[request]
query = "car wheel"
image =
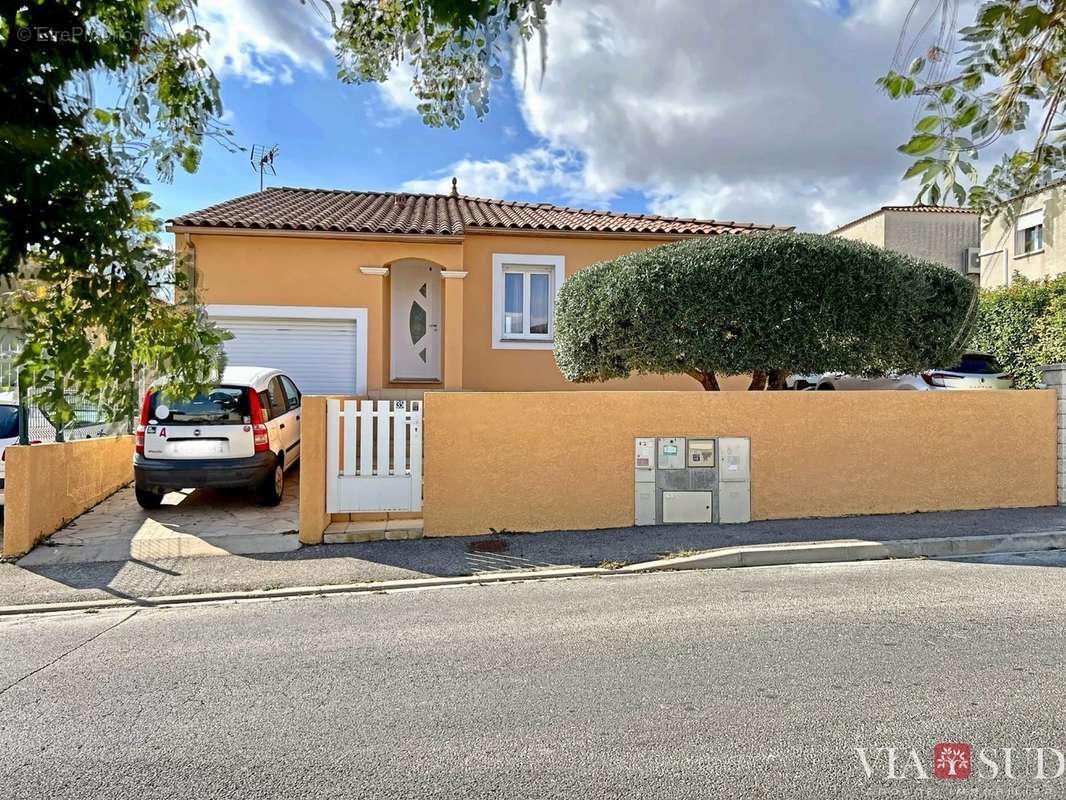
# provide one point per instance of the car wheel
(826, 387)
(148, 500)
(274, 486)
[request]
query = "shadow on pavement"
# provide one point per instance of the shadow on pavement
(139, 578)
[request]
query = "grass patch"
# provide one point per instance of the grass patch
(679, 554)
(608, 564)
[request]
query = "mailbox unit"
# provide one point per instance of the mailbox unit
(679, 480)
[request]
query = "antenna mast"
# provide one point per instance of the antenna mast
(262, 159)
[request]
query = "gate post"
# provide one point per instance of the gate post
(313, 515)
(1055, 378)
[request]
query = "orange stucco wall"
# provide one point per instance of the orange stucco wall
(318, 271)
(311, 271)
(486, 369)
(48, 485)
(564, 460)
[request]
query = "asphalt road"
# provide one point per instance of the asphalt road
(742, 683)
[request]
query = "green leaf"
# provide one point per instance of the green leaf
(920, 144)
(918, 167)
(927, 124)
(967, 116)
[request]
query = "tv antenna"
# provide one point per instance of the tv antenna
(262, 159)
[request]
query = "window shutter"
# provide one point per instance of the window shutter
(1030, 219)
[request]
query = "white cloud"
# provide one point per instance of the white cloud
(765, 112)
(395, 93)
(769, 114)
(265, 41)
(530, 172)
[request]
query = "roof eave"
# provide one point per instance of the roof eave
(216, 230)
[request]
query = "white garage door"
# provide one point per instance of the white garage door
(320, 355)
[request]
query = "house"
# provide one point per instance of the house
(390, 295)
(944, 235)
(1024, 241)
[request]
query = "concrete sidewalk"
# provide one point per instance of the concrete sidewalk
(137, 578)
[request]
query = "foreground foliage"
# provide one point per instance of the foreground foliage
(453, 48)
(92, 94)
(1024, 326)
(980, 84)
(768, 305)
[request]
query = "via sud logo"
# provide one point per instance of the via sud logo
(959, 761)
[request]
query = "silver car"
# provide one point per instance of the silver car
(974, 371)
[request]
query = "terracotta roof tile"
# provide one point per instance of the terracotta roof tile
(433, 214)
(934, 209)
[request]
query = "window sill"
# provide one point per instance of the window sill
(536, 339)
(1039, 252)
(511, 343)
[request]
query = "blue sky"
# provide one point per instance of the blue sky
(734, 110)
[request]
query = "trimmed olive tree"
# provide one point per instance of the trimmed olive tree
(766, 305)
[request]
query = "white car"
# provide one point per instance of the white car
(9, 434)
(974, 371)
(245, 432)
(85, 425)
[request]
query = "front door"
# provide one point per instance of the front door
(415, 339)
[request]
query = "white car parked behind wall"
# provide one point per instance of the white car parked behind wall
(974, 371)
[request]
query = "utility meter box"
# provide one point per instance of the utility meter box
(644, 504)
(687, 506)
(701, 452)
(734, 502)
(644, 460)
(671, 453)
(734, 460)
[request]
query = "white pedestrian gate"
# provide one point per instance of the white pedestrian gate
(373, 460)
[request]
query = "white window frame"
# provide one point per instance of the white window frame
(502, 263)
(1026, 222)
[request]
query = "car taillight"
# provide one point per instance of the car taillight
(143, 423)
(935, 379)
(260, 436)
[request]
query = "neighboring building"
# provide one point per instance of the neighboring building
(945, 235)
(1025, 242)
(394, 294)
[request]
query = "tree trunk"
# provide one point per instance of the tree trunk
(707, 380)
(758, 381)
(777, 379)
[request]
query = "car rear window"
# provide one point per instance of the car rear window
(9, 422)
(223, 405)
(974, 364)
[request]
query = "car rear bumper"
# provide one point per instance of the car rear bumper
(166, 475)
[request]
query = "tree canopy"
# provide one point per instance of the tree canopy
(979, 85)
(766, 304)
(454, 48)
(93, 94)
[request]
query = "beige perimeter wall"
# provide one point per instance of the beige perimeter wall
(564, 460)
(47, 485)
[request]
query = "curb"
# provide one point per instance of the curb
(844, 550)
(759, 555)
(304, 591)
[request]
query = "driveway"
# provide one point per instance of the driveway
(194, 522)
